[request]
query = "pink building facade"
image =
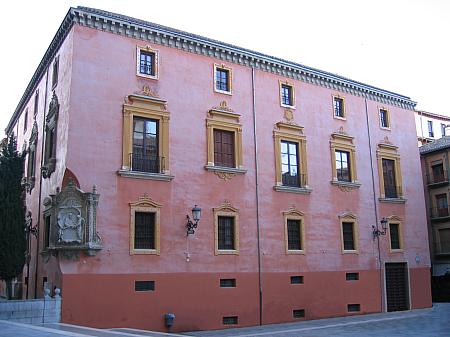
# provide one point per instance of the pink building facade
(291, 166)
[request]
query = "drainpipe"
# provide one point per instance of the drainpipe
(38, 225)
(375, 206)
(257, 200)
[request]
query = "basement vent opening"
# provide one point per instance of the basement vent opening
(144, 285)
(296, 279)
(298, 313)
(228, 283)
(352, 276)
(353, 307)
(230, 320)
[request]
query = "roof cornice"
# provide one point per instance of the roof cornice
(158, 34)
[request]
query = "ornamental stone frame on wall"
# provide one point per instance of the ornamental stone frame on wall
(396, 220)
(386, 150)
(349, 217)
(224, 118)
(51, 129)
(72, 216)
(294, 133)
(294, 214)
(146, 104)
(145, 205)
(341, 141)
(31, 160)
(226, 209)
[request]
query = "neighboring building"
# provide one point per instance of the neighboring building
(435, 163)
(430, 126)
(291, 166)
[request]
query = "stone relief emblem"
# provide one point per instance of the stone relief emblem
(70, 223)
(73, 226)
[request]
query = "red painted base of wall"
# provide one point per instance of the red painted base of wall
(199, 302)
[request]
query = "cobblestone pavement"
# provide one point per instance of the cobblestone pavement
(433, 322)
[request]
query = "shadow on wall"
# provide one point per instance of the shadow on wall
(440, 287)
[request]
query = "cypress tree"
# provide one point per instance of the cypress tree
(12, 213)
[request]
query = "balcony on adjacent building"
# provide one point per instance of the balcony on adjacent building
(440, 213)
(442, 249)
(438, 178)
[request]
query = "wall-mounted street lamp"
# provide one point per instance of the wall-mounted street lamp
(191, 226)
(376, 232)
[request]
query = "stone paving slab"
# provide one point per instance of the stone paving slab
(433, 322)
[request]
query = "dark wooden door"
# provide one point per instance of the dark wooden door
(397, 290)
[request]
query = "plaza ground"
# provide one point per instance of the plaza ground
(433, 322)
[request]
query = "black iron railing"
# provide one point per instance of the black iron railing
(439, 212)
(442, 177)
(150, 164)
(298, 180)
(392, 191)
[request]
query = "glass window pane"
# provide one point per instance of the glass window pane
(138, 125)
(284, 159)
(284, 147)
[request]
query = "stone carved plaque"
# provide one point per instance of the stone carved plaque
(72, 215)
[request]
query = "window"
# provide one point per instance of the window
(442, 205)
(147, 62)
(145, 157)
(144, 285)
(228, 283)
(290, 159)
(47, 224)
(144, 226)
(36, 102)
(144, 230)
(226, 229)
(294, 234)
(351, 276)
(25, 121)
(223, 148)
(430, 129)
(390, 186)
(348, 236)
(294, 231)
(31, 164)
(438, 173)
(145, 152)
(225, 233)
(385, 122)
(230, 320)
(353, 307)
(443, 127)
(338, 107)
(55, 72)
(287, 97)
(296, 279)
(298, 313)
(343, 156)
(222, 79)
(50, 138)
(289, 164)
(394, 234)
(349, 233)
(390, 173)
(224, 140)
(342, 165)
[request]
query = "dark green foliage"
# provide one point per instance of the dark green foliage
(12, 211)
